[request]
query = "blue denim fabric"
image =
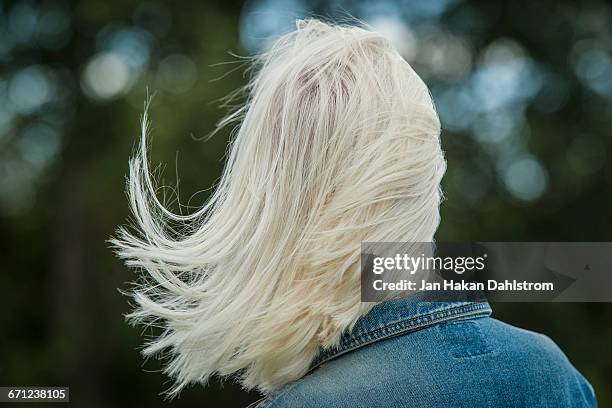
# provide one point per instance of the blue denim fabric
(416, 353)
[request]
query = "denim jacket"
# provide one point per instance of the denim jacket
(415, 353)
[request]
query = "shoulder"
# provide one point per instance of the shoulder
(479, 362)
(521, 346)
(530, 364)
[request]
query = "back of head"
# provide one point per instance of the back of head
(338, 143)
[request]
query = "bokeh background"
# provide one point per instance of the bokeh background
(523, 90)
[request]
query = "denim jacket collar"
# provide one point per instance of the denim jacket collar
(402, 316)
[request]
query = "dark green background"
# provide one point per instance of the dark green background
(523, 89)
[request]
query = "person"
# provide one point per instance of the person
(338, 143)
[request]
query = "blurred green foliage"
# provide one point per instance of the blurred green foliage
(523, 90)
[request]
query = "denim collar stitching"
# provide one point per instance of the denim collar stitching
(410, 324)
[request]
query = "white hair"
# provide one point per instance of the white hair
(338, 143)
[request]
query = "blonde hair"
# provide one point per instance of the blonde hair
(337, 144)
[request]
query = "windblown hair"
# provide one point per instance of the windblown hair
(338, 143)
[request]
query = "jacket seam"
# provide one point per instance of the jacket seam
(404, 326)
(449, 312)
